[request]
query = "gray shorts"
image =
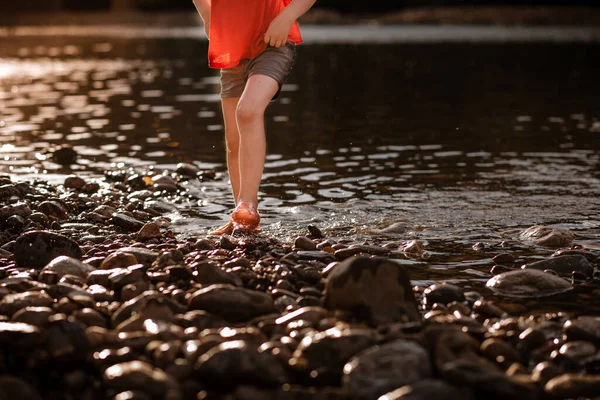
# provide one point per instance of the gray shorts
(274, 62)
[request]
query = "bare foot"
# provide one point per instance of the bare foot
(245, 217)
(226, 229)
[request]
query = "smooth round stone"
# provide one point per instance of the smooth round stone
(126, 222)
(443, 293)
(137, 375)
(324, 354)
(375, 289)
(499, 351)
(65, 265)
(573, 386)
(142, 255)
(232, 303)
(504, 259)
(236, 362)
(304, 243)
(208, 273)
(527, 283)
(36, 249)
(545, 371)
(583, 328)
(383, 368)
(547, 236)
(564, 265)
(33, 315)
(150, 230)
(74, 182)
(21, 209)
(428, 389)
(187, 170)
(139, 304)
(11, 303)
(53, 208)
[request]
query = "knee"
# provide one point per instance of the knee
(247, 113)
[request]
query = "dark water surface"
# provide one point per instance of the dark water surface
(464, 143)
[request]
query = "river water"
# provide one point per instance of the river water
(464, 142)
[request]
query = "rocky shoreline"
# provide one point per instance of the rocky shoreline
(100, 300)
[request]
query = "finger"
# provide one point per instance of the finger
(280, 43)
(273, 41)
(267, 38)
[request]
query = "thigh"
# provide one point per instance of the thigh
(274, 62)
(233, 80)
(259, 91)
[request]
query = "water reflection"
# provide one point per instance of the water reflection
(466, 139)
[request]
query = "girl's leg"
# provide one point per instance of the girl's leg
(232, 142)
(250, 112)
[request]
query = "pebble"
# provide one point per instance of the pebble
(528, 283)
(37, 248)
(374, 289)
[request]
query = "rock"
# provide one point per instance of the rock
(150, 230)
(138, 375)
(11, 303)
(64, 155)
(304, 243)
(36, 249)
(138, 304)
(36, 316)
(527, 283)
(354, 250)
(118, 259)
(65, 265)
(547, 236)
(21, 209)
(504, 259)
(208, 273)
(428, 389)
(53, 208)
(74, 182)
(374, 289)
(443, 293)
(126, 222)
(187, 170)
(583, 328)
(232, 303)
(573, 386)
(236, 362)
(142, 255)
(564, 265)
(383, 368)
(322, 355)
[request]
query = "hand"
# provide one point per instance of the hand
(278, 31)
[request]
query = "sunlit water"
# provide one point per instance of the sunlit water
(464, 143)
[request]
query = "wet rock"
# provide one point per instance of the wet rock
(207, 273)
(236, 362)
(142, 255)
(545, 371)
(499, 351)
(119, 259)
(573, 386)
(231, 303)
(322, 355)
(383, 368)
(139, 375)
(564, 265)
(36, 249)
(74, 182)
(13, 388)
(315, 232)
(21, 209)
(583, 328)
(11, 303)
(375, 289)
(413, 247)
(126, 222)
(53, 208)
(64, 155)
(527, 283)
(37, 316)
(443, 293)
(65, 265)
(354, 250)
(150, 230)
(19, 334)
(428, 389)
(304, 243)
(547, 236)
(187, 170)
(504, 259)
(138, 304)
(573, 355)
(65, 339)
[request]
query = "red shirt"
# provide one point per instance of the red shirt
(238, 27)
